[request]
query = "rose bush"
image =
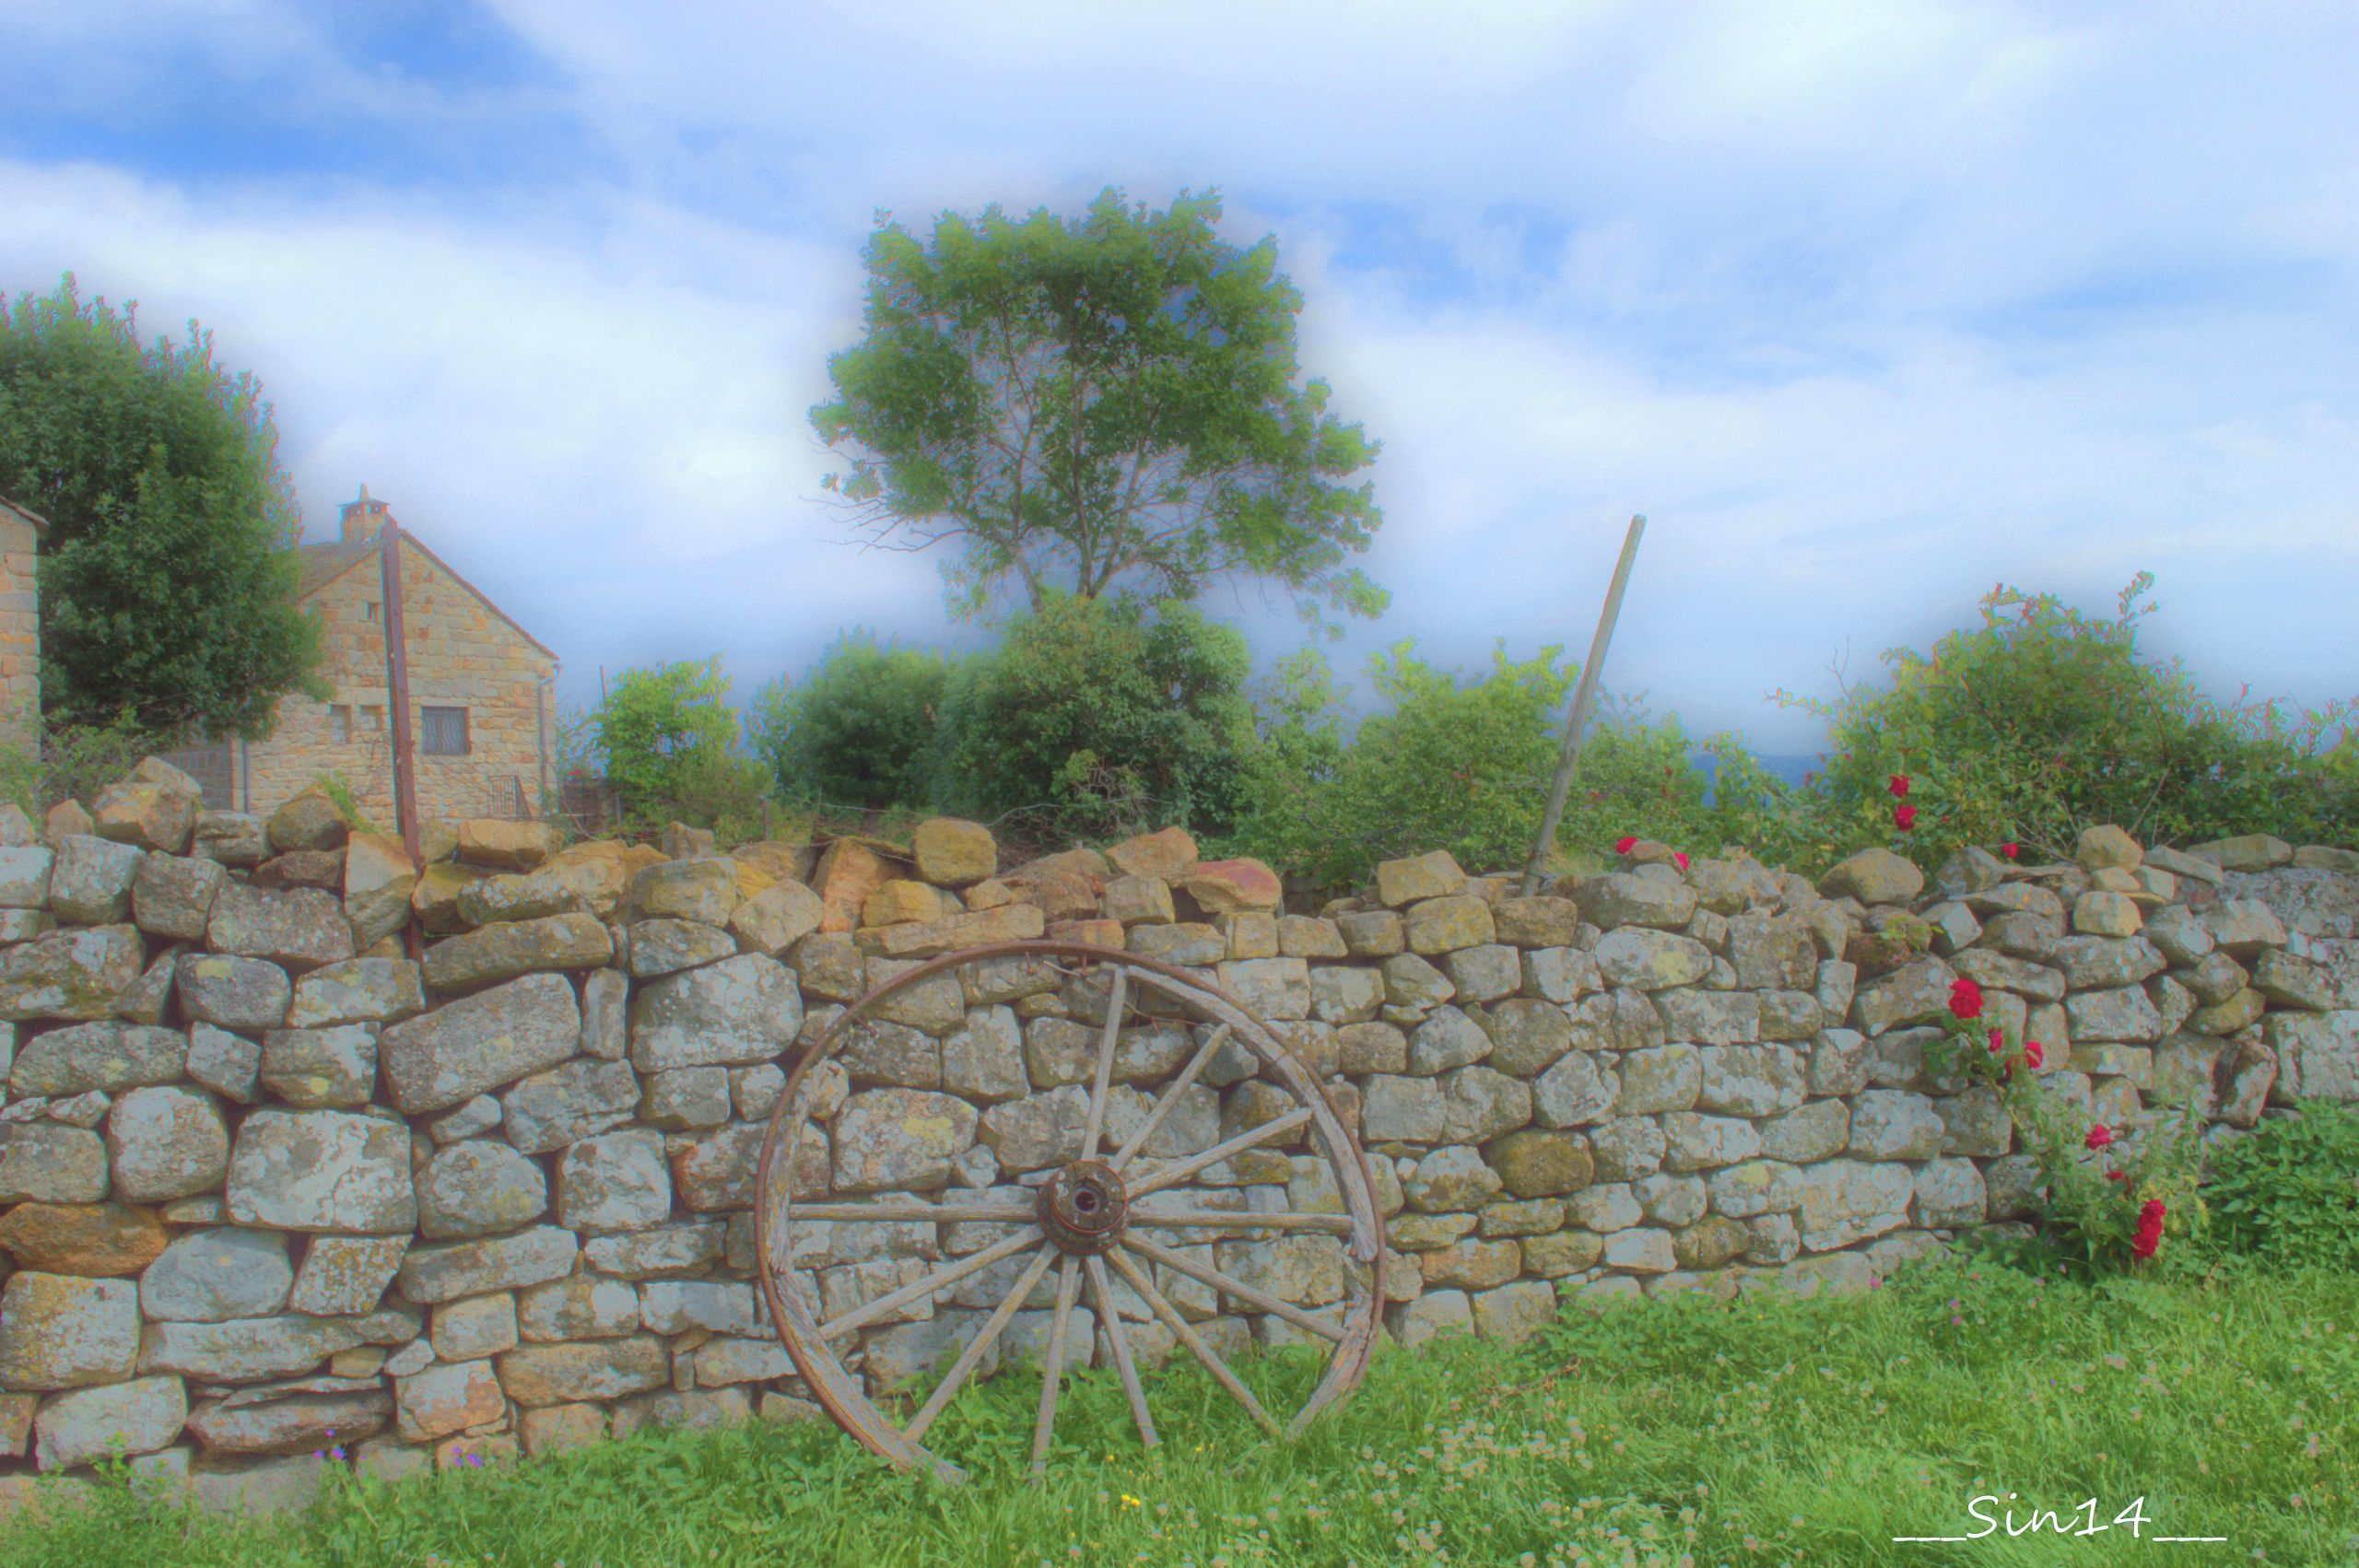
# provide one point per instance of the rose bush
(2112, 1195)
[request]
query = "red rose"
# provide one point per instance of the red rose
(1622, 846)
(1899, 784)
(2150, 1230)
(1965, 999)
(1681, 856)
(2033, 1054)
(2011, 850)
(1903, 817)
(2099, 1136)
(2117, 1176)
(1998, 1043)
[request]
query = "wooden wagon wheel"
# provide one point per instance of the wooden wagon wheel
(1106, 1213)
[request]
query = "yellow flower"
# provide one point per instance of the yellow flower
(1132, 1501)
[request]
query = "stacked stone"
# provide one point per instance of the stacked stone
(1714, 1078)
(271, 1187)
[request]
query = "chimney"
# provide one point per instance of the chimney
(362, 518)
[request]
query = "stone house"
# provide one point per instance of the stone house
(481, 707)
(20, 532)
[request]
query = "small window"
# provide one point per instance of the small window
(340, 724)
(372, 721)
(444, 732)
(369, 609)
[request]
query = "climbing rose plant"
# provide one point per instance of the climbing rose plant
(2119, 1196)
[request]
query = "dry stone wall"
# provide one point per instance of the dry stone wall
(272, 1190)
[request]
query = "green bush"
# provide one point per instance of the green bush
(668, 739)
(859, 731)
(1092, 717)
(1448, 764)
(2044, 720)
(2288, 1195)
(1463, 764)
(74, 762)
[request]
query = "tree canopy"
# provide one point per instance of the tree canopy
(167, 576)
(1100, 402)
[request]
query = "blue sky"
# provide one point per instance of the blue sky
(1868, 307)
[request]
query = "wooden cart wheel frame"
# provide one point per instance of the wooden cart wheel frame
(1085, 1223)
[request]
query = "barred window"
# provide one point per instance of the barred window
(444, 732)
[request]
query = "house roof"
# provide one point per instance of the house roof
(323, 564)
(24, 514)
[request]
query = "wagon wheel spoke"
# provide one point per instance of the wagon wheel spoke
(979, 1347)
(1229, 1285)
(1068, 1287)
(1171, 1097)
(1179, 1170)
(1193, 1340)
(1203, 1219)
(936, 1213)
(1101, 1298)
(1098, 1086)
(949, 1274)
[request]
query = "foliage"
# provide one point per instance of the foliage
(1096, 404)
(859, 731)
(167, 573)
(1092, 717)
(338, 790)
(1766, 1431)
(2112, 1195)
(1463, 764)
(2044, 720)
(74, 762)
(668, 740)
(2288, 1193)
(1451, 764)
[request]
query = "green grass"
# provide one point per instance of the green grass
(1772, 1432)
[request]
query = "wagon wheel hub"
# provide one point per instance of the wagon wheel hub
(1083, 1207)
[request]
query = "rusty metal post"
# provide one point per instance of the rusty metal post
(1568, 756)
(397, 699)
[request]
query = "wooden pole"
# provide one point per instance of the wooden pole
(397, 693)
(1568, 755)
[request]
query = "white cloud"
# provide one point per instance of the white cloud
(1867, 306)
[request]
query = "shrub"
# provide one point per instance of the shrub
(2111, 1196)
(2289, 1193)
(2044, 720)
(1464, 764)
(859, 731)
(1092, 717)
(73, 762)
(1450, 764)
(669, 739)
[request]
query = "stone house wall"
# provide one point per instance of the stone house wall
(462, 654)
(262, 1178)
(19, 627)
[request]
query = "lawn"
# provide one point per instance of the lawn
(1769, 1431)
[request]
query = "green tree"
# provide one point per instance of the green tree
(1092, 719)
(859, 731)
(1108, 401)
(669, 740)
(168, 573)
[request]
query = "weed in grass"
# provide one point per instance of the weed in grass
(1767, 1431)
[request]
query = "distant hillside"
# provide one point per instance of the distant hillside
(1789, 767)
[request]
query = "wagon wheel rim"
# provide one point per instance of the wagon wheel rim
(1094, 1221)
